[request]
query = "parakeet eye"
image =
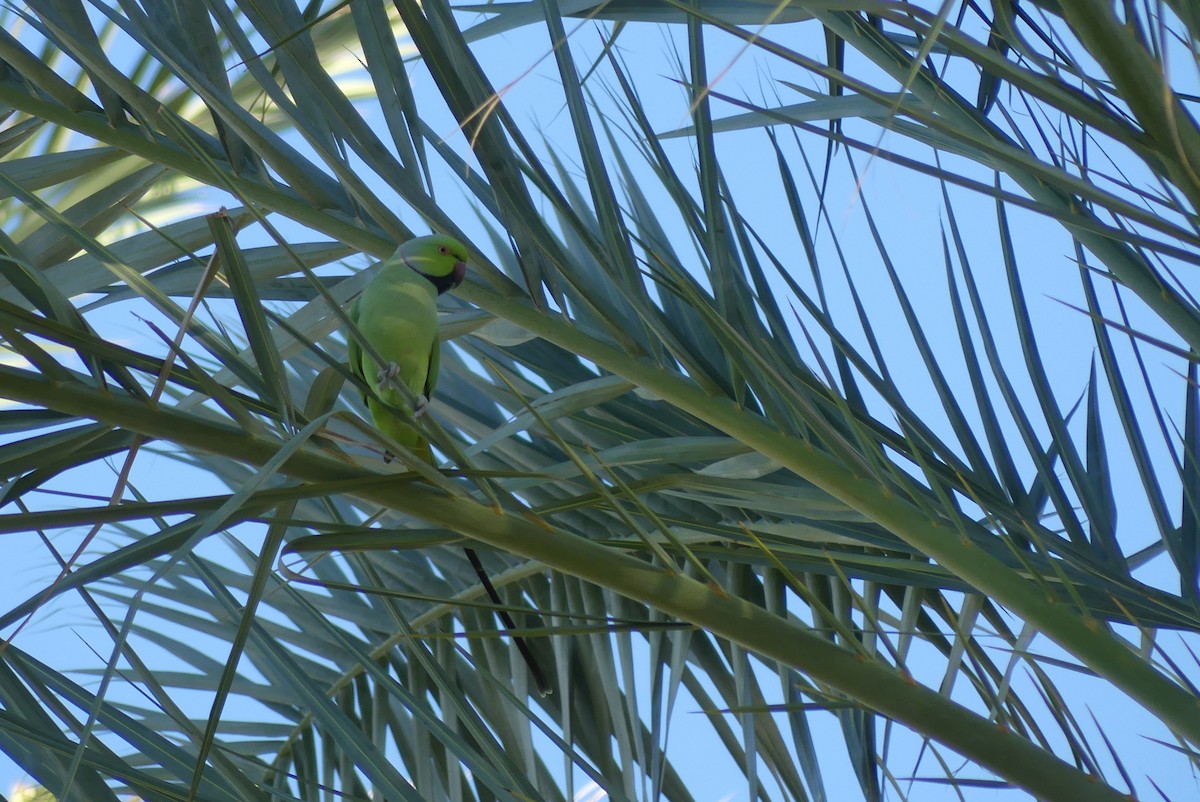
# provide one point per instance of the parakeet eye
(443, 250)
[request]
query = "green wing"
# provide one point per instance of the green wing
(353, 349)
(435, 364)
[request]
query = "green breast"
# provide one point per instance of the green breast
(398, 317)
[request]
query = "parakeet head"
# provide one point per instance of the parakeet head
(441, 259)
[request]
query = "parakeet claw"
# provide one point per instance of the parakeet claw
(387, 374)
(421, 406)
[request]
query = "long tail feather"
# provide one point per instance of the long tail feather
(535, 671)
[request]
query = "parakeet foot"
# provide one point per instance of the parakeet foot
(387, 374)
(421, 407)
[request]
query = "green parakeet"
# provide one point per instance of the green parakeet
(397, 315)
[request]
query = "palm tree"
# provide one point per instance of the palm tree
(822, 399)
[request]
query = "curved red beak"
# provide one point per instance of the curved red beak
(460, 273)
